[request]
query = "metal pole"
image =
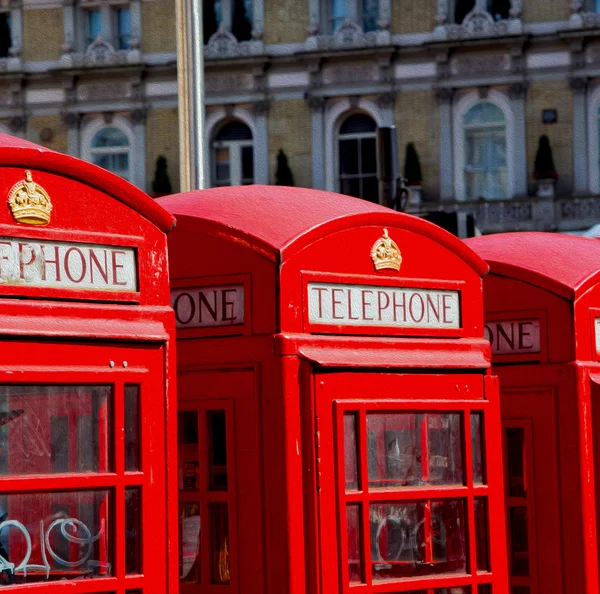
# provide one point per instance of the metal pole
(190, 80)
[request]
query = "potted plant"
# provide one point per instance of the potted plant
(161, 186)
(283, 175)
(544, 171)
(412, 175)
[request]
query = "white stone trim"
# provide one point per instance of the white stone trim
(460, 109)
(335, 113)
(257, 125)
(137, 157)
(593, 107)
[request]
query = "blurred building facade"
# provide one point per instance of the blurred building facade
(473, 84)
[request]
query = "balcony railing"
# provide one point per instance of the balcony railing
(528, 214)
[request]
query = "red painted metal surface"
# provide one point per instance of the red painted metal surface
(547, 287)
(85, 337)
(252, 269)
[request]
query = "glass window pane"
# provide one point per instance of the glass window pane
(123, 28)
(394, 446)
(189, 543)
(222, 166)
(405, 544)
(110, 137)
(481, 533)
(187, 443)
(370, 13)
(56, 536)
(94, 24)
(354, 543)
(133, 534)
(484, 589)
(476, 447)
(519, 535)
(217, 447)
(132, 428)
(445, 449)
(521, 590)
(515, 460)
(349, 157)
(350, 460)
(368, 155)
(247, 165)
(50, 429)
(219, 531)
(350, 187)
(370, 189)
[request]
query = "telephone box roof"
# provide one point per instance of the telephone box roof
(278, 221)
(16, 152)
(566, 265)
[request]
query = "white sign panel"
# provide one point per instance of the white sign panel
(358, 305)
(208, 307)
(514, 337)
(50, 264)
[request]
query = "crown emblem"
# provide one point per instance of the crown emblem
(29, 202)
(385, 253)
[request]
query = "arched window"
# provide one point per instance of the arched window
(357, 157)
(485, 152)
(110, 149)
(5, 35)
(499, 9)
(233, 155)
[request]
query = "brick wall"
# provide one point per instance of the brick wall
(159, 32)
(409, 16)
(286, 21)
(290, 129)
(545, 10)
(416, 117)
(42, 33)
(550, 95)
(162, 138)
(59, 140)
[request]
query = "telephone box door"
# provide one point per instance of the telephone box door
(532, 509)
(218, 486)
(403, 457)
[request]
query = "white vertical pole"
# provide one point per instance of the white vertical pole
(190, 78)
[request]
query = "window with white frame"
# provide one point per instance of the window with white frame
(230, 16)
(93, 20)
(5, 35)
(110, 20)
(498, 9)
(363, 12)
(233, 155)
(110, 149)
(122, 27)
(357, 157)
(485, 172)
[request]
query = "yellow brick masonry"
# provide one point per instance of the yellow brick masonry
(42, 33)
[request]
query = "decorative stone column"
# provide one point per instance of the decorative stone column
(580, 139)
(261, 143)
(517, 93)
(314, 17)
(317, 109)
(16, 28)
(444, 97)
(226, 15)
(73, 123)
(385, 101)
(106, 29)
(138, 150)
(258, 19)
(352, 11)
(576, 19)
(135, 8)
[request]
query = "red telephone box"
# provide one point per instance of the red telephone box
(85, 328)
(338, 423)
(542, 312)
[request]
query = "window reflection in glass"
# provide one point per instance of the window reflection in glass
(350, 460)
(412, 449)
(476, 447)
(217, 446)
(133, 535)
(187, 443)
(404, 543)
(189, 543)
(354, 542)
(52, 429)
(56, 536)
(484, 589)
(132, 428)
(481, 533)
(219, 523)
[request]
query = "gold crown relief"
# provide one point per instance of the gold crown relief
(29, 202)
(385, 253)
